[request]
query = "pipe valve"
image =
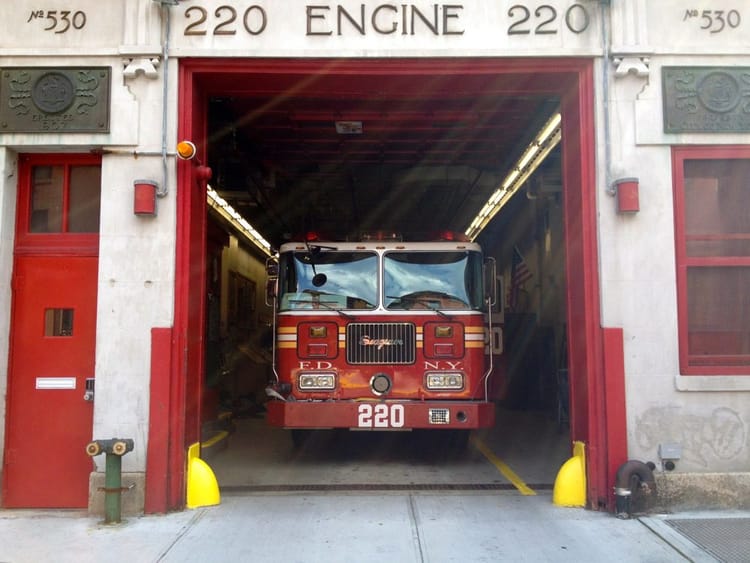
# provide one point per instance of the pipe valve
(115, 446)
(632, 476)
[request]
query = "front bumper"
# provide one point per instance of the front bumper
(381, 415)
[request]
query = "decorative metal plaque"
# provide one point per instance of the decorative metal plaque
(54, 100)
(706, 99)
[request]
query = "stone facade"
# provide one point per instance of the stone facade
(631, 42)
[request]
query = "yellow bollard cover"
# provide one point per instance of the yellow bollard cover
(202, 487)
(570, 483)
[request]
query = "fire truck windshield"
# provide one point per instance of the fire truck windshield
(351, 280)
(432, 280)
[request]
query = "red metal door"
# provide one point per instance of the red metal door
(53, 337)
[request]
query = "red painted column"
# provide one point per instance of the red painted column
(190, 291)
(157, 467)
(616, 415)
(587, 403)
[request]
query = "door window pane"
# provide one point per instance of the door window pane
(46, 199)
(58, 322)
(84, 199)
(65, 199)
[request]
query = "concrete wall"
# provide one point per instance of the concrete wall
(136, 272)
(136, 256)
(8, 169)
(707, 416)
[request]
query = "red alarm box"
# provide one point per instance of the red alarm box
(627, 195)
(144, 197)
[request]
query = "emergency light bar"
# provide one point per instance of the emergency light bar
(381, 236)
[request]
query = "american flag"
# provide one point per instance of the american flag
(519, 275)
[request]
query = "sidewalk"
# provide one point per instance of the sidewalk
(416, 527)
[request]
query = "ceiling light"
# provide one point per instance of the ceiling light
(510, 178)
(532, 157)
(528, 156)
(229, 214)
(550, 127)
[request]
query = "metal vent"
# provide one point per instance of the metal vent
(380, 343)
(439, 416)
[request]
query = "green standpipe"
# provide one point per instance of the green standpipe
(112, 489)
(114, 449)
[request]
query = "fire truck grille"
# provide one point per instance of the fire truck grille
(380, 343)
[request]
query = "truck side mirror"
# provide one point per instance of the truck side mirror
(272, 267)
(270, 291)
(490, 280)
(272, 271)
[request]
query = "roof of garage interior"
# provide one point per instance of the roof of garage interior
(420, 146)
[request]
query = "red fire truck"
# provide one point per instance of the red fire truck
(380, 335)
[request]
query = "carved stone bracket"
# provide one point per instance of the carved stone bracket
(147, 65)
(637, 65)
(629, 47)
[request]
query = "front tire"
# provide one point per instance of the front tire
(456, 440)
(300, 437)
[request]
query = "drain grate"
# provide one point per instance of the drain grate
(727, 539)
(326, 488)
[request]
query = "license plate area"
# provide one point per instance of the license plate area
(381, 415)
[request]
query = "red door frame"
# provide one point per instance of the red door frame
(570, 78)
(588, 422)
(62, 248)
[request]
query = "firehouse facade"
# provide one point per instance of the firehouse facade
(107, 261)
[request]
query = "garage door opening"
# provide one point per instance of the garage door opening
(408, 146)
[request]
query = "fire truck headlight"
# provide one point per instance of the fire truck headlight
(444, 381)
(316, 382)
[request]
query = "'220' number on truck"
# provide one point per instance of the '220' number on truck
(380, 416)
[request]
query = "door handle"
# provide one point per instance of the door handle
(88, 394)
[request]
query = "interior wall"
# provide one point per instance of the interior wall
(535, 329)
(237, 258)
(244, 333)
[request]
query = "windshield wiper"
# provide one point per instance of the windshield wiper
(339, 311)
(428, 303)
(326, 305)
(316, 248)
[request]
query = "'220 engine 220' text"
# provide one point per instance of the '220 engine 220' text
(387, 19)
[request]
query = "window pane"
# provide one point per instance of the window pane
(328, 279)
(58, 322)
(84, 199)
(717, 207)
(46, 199)
(718, 313)
(432, 280)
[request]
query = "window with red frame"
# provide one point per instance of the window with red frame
(712, 222)
(60, 202)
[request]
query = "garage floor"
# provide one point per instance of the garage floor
(525, 448)
(410, 524)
